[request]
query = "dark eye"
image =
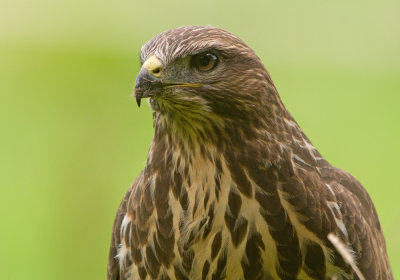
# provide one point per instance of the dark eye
(205, 61)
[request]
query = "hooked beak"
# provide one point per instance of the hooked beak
(148, 81)
(146, 85)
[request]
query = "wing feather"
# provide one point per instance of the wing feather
(113, 269)
(328, 199)
(362, 223)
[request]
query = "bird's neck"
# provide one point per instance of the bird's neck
(202, 140)
(267, 137)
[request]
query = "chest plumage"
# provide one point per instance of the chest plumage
(194, 220)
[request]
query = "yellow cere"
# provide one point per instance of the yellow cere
(153, 66)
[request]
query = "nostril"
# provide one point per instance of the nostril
(156, 70)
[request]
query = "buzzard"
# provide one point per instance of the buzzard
(233, 188)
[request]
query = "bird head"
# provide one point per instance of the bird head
(202, 78)
(203, 68)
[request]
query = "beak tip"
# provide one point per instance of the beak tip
(138, 100)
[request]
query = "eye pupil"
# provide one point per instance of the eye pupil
(205, 61)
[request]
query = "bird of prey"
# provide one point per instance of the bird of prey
(232, 187)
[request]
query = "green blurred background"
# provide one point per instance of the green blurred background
(72, 138)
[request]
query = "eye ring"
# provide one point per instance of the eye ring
(205, 61)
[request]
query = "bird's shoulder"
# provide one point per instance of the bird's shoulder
(361, 221)
(113, 269)
(330, 199)
(350, 193)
